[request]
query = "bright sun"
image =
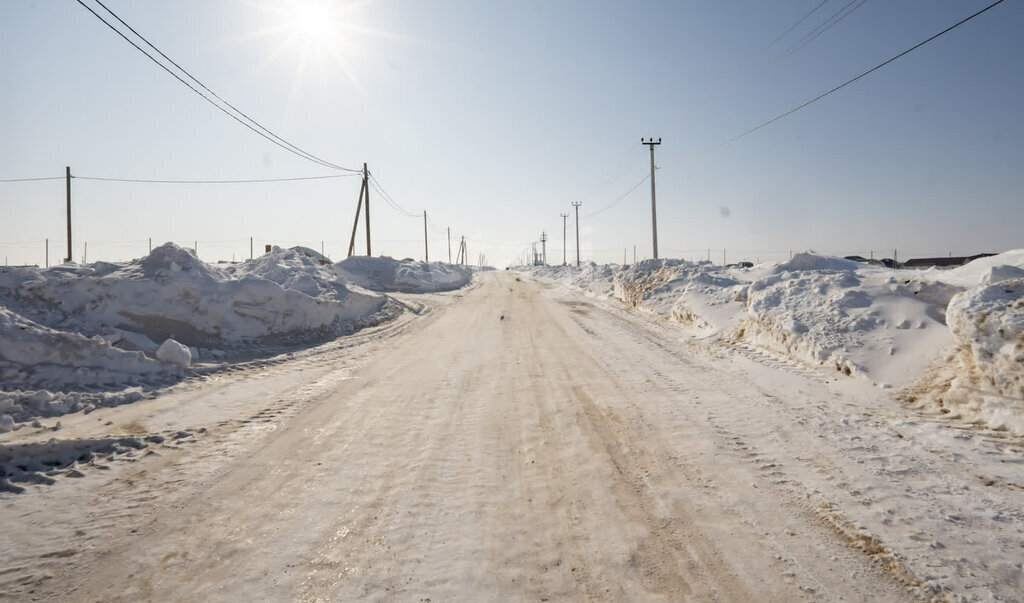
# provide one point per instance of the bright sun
(313, 21)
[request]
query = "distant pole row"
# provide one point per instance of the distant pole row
(651, 143)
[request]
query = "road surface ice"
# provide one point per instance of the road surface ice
(516, 440)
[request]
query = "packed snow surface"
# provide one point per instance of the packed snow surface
(74, 336)
(956, 335)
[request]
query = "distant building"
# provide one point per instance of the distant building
(946, 262)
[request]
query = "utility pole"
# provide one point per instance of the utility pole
(67, 183)
(544, 248)
(564, 216)
(47, 253)
(366, 179)
(577, 205)
(449, 244)
(654, 210)
(363, 191)
(426, 250)
(250, 248)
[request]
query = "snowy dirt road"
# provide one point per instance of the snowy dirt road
(518, 441)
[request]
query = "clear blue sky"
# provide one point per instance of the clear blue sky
(494, 116)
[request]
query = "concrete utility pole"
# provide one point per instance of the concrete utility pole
(654, 210)
(366, 179)
(544, 248)
(564, 216)
(67, 181)
(577, 205)
(426, 250)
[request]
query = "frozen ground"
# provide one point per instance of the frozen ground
(516, 440)
(948, 339)
(667, 431)
(80, 337)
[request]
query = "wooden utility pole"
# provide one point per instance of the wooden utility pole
(577, 205)
(363, 191)
(654, 210)
(67, 183)
(564, 216)
(426, 249)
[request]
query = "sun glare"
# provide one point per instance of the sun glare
(313, 21)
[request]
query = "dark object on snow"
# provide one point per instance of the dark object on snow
(946, 261)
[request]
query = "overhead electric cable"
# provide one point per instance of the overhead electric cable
(826, 25)
(797, 24)
(251, 181)
(389, 200)
(33, 179)
(615, 202)
(847, 82)
(265, 133)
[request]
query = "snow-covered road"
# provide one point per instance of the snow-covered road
(519, 441)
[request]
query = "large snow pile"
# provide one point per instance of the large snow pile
(387, 274)
(74, 336)
(869, 321)
(172, 294)
(988, 325)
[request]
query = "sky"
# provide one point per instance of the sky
(494, 117)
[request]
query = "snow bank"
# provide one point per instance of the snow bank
(32, 355)
(988, 325)
(887, 326)
(407, 276)
(172, 294)
(74, 337)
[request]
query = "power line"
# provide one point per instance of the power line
(615, 202)
(32, 179)
(797, 24)
(825, 25)
(251, 181)
(265, 133)
(389, 200)
(847, 82)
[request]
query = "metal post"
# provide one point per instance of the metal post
(654, 210)
(67, 180)
(577, 205)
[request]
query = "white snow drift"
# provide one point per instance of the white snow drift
(87, 329)
(888, 326)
